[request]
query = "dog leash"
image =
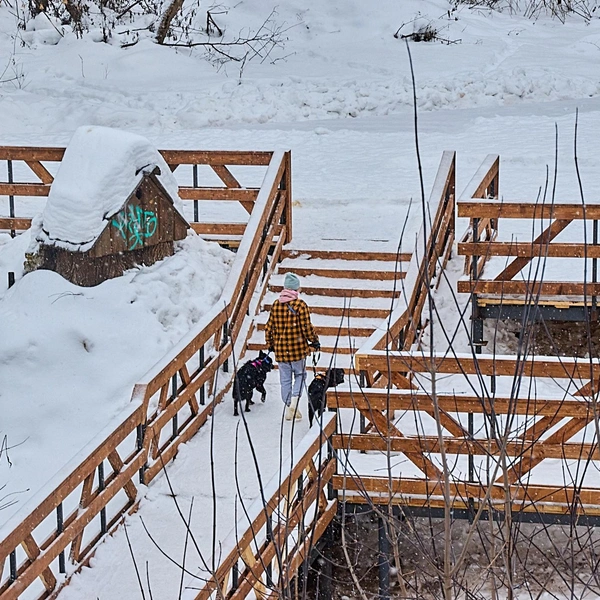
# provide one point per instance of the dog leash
(315, 359)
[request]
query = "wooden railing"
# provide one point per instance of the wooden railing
(431, 253)
(29, 175)
(277, 534)
(484, 184)
(556, 217)
(89, 497)
(518, 430)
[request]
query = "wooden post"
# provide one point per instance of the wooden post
(11, 279)
(594, 271)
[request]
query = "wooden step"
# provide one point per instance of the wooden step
(342, 292)
(327, 325)
(338, 311)
(359, 270)
(373, 308)
(329, 344)
(345, 255)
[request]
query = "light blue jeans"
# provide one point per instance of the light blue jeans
(292, 377)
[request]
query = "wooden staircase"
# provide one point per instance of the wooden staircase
(350, 294)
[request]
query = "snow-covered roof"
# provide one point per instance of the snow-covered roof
(100, 169)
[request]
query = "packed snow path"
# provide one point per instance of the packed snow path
(216, 475)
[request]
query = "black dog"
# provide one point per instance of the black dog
(251, 376)
(317, 388)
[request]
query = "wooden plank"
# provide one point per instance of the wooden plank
(529, 249)
(347, 255)
(226, 176)
(506, 209)
(33, 551)
(544, 238)
(219, 228)
(339, 311)
(31, 153)
(216, 157)
(403, 362)
(540, 450)
(309, 290)
(215, 194)
(117, 464)
(16, 223)
(454, 404)
(41, 171)
(529, 288)
(343, 273)
(402, 489)
(24, 189)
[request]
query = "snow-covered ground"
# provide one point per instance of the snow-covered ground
(339, 95)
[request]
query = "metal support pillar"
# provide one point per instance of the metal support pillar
(140, 433)
(195, 184)
(383, 561)
(201, 391)
(11, 199)
(174, 421)
(60, 526)
(101, 486)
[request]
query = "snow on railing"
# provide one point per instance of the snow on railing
(287, 520)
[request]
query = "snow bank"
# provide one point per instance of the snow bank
(100, 169)
(70, 355)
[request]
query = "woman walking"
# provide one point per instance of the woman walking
(290, 334)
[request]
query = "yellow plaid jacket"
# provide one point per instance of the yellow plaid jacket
(289, 331)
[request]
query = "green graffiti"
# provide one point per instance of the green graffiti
(135, 225)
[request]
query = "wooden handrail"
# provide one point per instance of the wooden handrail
(174, 383)
(219, 161)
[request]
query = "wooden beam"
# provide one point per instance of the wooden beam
(404, 489)
(454, 404)
(528, 288)
(343, 273)
(217, 194)
(32, 153)
(226, 176)
(24, 189)
(347, 255)
(16, 223)
(544, 238)
(216, 157)
(219, 228)
(539, 450)
(529, 249)
(41, 171)
(495, 209)
(560, 367)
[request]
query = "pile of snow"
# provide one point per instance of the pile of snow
(69, 356)
(44, 29)
(100, 169)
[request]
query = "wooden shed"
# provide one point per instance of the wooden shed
(113, 205)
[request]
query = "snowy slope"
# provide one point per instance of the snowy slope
(339, 95)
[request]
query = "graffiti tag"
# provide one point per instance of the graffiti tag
(135, 225)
